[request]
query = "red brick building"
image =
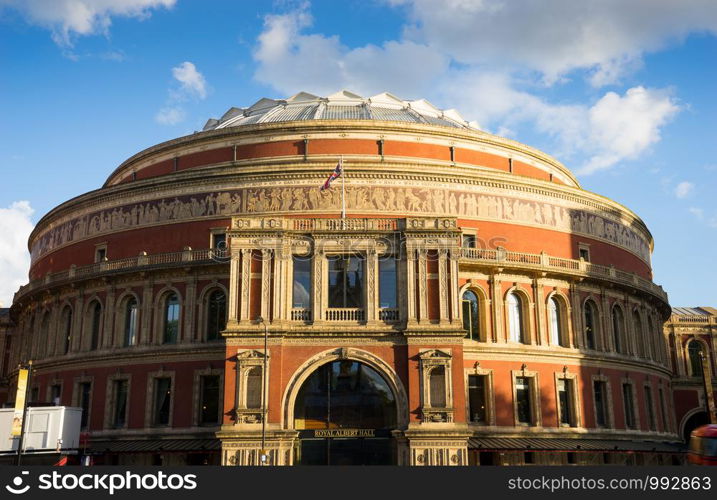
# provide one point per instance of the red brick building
(209, 304)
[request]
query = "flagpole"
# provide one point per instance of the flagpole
(343, 191)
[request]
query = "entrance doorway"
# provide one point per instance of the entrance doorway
(344, 413)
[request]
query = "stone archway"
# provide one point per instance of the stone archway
(345, 405)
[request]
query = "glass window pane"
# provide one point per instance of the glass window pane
(120, 396)
(162, 400)
(171, 319)
(554, 314)
(387, 296)
(477, 398)
(253, 388)
(345, 394)
(346, 275)
(515, 318)
(96, 319)
(590, 324)
(85, 391)
(522, 396)
(209, 411)
(694, 349)
(437, 384)
(600, 404)
(216, 315)
(302, 282)
(130, 323)
(564, 393)
(470, 315)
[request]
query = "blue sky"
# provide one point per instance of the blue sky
(622, 92)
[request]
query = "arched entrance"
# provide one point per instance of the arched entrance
(696, 420)
(345, 412)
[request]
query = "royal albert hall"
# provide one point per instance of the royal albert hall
(475, 306)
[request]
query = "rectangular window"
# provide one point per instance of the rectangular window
(565, 402)
(650, 409)
(119, 390)
(100, 253)
(34, 394)
(85, 390)
(387, 296)
(468, 241)
(55, 394)
(477, 398)
(209, 409)
(302, 282)
(600, 392)
(219, 241)
(628, 406)
(162, 400)
(346, 281)
(663, 411)
(584, 252)
(523, 400)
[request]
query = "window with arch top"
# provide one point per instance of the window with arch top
(66, 329)
(516, 325)
(556, 317)
(216, 314)
(171, 319)
(618, 330)
(130, 322)
(471, 316)
(96, 320)
(695, 352)
(591, 322)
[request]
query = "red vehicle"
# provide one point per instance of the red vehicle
(703, 445)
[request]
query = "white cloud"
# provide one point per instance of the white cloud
(623, 127)
(697, 212)
(15, 226)
(683, 189)
(71, 18)
(192, 81)
(605, 37)
(453, 67)
(192, 84)
(291, 61)
(170, 115)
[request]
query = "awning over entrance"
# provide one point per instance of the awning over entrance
(562, 444)
(155, 445)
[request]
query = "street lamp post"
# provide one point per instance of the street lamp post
(264, 458)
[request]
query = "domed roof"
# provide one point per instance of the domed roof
(342, 105)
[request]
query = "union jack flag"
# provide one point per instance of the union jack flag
(334, 175)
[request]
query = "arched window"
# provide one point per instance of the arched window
(653, 336)
(66, 325)
(556, 316)
(642, 346)
(44, 339)
(471, 315)
(437, 385)
(130, 322)
(618, 332)
(171, 319)
(515, 318)
(694, 349)
(254, 388)
(590, 324)
(96, 322)
(216, 314)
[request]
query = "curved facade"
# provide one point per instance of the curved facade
(473, 298)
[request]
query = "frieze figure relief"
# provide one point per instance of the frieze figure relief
(358, 197)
